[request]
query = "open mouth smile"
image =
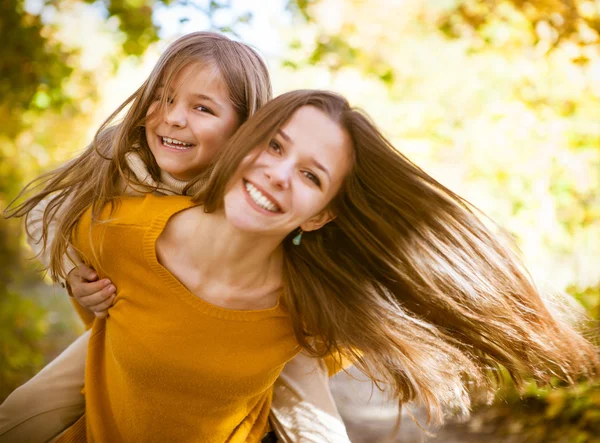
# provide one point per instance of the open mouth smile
(261, 200)
(172, 143)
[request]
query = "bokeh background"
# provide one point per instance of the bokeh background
(497, 99)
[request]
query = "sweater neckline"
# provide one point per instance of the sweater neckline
(156, 227)
(167, 185)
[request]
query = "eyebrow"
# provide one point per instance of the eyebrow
(322, 168)
(208, 98)
(318, 165)
(284, 135)
(198, 95)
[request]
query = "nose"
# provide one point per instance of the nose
(279, 174)
(175, 115)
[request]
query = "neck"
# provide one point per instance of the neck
(221, 253)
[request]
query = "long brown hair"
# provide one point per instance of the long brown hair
(407, 281)
(101, 172)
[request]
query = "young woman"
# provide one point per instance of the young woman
(314, 231)
(211, 85)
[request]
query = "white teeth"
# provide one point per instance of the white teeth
(177, 144)
(260, 199)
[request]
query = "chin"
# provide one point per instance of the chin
(240, 217)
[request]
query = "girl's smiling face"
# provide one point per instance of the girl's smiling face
(290, 182)
(198, 121)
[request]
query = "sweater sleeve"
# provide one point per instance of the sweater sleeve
(303, 409)
(71, 260)
(35, 228)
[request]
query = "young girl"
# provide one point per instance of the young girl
(210, 86)
(311, 230)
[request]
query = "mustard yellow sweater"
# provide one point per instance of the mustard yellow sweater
(167, 366)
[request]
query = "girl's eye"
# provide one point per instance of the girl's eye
(275, 146)
(158, 96)
(205, 109)
(313, 178)
(169, 100)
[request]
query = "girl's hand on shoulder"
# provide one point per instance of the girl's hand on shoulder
(91, 293)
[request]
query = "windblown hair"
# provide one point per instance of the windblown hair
(407, 281)
(101, 173)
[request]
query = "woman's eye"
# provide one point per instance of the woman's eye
(275, 146)
(205, 109)
(313, 178)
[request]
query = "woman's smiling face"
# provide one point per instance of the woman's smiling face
(290, 182)
(197, 123)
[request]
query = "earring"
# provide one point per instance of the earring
(297, 239)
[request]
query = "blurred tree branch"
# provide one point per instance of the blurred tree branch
(543, 23)
(552, 20)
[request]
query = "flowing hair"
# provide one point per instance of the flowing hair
(407, 281)
(101, 173)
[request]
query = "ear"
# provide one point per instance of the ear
(318, 221)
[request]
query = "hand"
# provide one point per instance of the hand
(91, 293)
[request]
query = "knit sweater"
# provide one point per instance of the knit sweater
(168, 185)
(301, 396)
(167, 365)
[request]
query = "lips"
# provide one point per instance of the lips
(261, 198)
(173, 143)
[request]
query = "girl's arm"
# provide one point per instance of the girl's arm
(303, 409)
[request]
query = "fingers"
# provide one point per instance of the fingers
(101, 309)
(98, 297)
(82, 272)
(87, 273)
(102, 314)
(91, 293)
(84, 289)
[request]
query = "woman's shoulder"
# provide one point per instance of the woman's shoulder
(137, 210)
(125, 213)
(144, 210)
(164, 202)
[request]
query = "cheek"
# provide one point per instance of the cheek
(153, 106)
(251, 161)
(307, 203)
(150, 132)
(150, 135)
(232, 128)
(227, 127)
(224, 131)
(233, 200)
(152, 118)
(312, 202)
(208, 132)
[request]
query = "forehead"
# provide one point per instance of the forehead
(198, 77)
(316, 134)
